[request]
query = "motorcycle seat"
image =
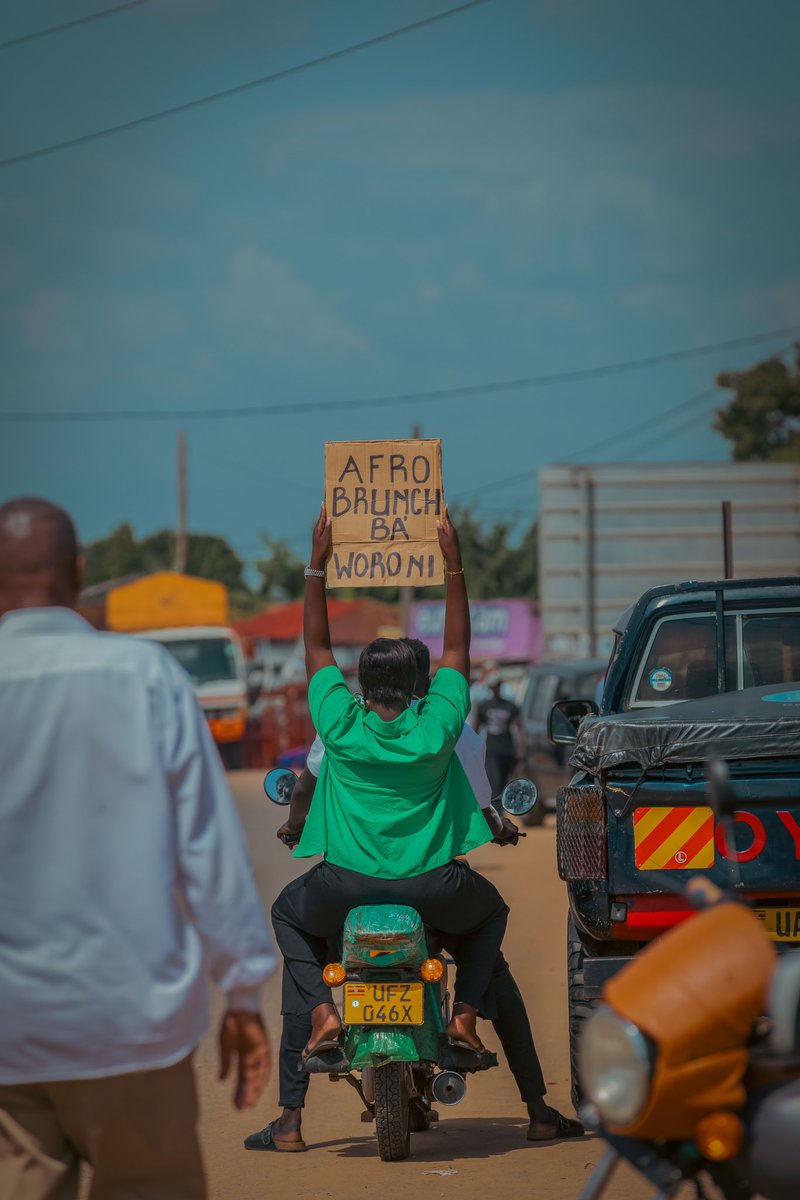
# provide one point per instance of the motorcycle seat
(382, 935)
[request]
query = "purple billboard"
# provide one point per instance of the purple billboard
(506, 630)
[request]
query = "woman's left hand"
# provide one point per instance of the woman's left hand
(321, 541)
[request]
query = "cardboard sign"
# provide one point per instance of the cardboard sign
(384, 499)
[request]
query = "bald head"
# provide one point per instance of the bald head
(40, 561)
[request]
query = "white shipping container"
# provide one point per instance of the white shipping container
(609, 532)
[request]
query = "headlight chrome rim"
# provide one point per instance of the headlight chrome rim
(615, 1061)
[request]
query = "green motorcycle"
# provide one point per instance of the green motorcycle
(395, 1006)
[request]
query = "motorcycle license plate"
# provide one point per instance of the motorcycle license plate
(383, 1003)
(780, 924)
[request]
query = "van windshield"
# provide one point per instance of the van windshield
(205, 660)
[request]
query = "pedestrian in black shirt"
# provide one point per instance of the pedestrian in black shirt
(501, 720)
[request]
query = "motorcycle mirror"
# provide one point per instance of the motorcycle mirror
(279, 784)
(519, 797)
(721, 798)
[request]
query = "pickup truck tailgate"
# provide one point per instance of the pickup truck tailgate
(664, 827)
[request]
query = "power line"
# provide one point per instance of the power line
(213, 97)
(96, 16)
(666, 435)
(464, 391)
(586, 451)
(640, 426)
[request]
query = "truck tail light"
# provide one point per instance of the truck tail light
(581, 833)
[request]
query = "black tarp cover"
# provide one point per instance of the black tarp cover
(761, 722)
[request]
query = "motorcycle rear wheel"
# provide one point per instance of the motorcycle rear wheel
(392, 1115)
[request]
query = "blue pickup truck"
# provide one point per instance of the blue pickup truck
(698, 669)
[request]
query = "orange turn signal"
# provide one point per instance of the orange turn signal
(719, 1136)
(334, 974)
(432, 970)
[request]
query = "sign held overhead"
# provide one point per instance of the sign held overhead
(384, 499)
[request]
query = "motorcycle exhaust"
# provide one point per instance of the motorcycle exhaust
(449, 1087)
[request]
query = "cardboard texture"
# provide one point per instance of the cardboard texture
(383, 499)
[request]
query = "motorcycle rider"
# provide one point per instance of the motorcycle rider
(502, 1004)
(394, 813)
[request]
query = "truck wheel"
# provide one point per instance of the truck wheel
(392, 1115)
(580, 1005)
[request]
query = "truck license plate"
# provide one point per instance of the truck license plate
(780, 924)
(383, 1003)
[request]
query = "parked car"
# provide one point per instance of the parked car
(547, 764)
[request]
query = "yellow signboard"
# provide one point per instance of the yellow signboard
(384, 499)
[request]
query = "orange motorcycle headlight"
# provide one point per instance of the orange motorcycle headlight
(719, 1136)
(334, 974)
(432, 970)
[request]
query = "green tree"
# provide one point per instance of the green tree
(281, 571)
(495, 567)
(762, 421)
(209, 556)
(114, 556)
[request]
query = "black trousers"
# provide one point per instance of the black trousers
(503, 1006)
(498, 768)
(452, 899)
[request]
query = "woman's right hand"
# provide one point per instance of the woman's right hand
(448, 540)
(321, 541)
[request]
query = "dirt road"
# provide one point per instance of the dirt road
(479, 1147)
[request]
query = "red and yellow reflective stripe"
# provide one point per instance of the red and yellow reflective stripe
(673, 839)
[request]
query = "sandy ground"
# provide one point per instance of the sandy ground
(478, 1147)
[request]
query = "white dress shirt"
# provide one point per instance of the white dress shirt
(124, 875)
(470, 751)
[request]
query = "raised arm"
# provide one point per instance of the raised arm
(316, 634)
(455, 653)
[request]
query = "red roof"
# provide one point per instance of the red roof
(352, 622)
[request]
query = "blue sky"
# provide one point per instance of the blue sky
(528, 187)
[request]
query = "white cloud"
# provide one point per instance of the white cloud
(261, 303)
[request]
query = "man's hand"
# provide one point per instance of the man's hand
(321, 541)
(510, 834)
(289, 836)
(242, 1034)
(504, 832)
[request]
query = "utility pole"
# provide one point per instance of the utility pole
(727, 539)
(181, 540)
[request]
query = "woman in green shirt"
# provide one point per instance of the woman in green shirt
(392, 807)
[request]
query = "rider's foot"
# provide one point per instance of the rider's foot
(461, 1030)
(287, 1126)
(326, 1029)
(548, 1124)
(281, 1134)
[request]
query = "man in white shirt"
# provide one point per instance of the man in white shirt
(124, 880)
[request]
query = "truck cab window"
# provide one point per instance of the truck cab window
(681, 661)
(771, 647)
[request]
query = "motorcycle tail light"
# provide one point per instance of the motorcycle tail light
(719, 1136)
(432, 970)
(334, 974)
